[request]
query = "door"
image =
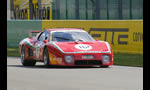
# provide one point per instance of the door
(39, 45)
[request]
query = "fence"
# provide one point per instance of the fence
(98, 9)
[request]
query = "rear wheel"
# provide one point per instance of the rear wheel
(46, 57)
(24, 61)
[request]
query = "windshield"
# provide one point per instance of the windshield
(71, 36)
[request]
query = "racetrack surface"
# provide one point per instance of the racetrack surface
(72, 78)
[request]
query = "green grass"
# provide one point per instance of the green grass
(122, 59)
(125, 59)
(13, 52)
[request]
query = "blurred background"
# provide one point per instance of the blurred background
(119, 22)
(75, 9)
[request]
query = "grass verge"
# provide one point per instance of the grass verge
(122, 59)
(14, 52)
(125, 59)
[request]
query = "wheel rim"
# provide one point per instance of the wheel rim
(22, 56)
(45, 59)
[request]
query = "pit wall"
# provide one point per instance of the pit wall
(124, 36)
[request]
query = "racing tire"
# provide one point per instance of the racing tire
(24, 61)
(106, 66)
(46, 57)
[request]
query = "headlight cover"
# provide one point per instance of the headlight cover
(69, 59)
(106, 59)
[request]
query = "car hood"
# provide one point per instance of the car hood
(82, 47)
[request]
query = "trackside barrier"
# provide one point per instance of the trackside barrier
(19, 29)
(125, 36)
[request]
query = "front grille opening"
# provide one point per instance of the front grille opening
(88, 62)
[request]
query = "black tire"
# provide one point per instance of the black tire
(24, 61)
(46, 57)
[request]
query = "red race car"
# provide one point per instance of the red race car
(65, 47)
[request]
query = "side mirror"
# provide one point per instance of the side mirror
(45, 41)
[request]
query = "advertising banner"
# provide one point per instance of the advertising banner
(124, 36)
(32, 9)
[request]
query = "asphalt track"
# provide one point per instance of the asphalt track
(72, 78)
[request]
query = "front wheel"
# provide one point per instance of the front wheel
(46, 57)
(106, 66)
(24, 61)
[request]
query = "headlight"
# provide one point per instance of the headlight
(87, 57)
(106, 59)
(69, 59)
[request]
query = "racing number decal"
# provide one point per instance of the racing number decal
(83, 46)
(37, 51)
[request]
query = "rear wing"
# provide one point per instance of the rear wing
(33, 33)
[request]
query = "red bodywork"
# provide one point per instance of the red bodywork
(57, 50)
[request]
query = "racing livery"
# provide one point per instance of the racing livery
(65, 47)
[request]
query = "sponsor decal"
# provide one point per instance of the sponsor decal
(83, 47)
(31, 9)
(37, 51)
(137, 36)
(113, 31)
(58, 60)
(54, 59)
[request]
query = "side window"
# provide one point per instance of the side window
(44, 36)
